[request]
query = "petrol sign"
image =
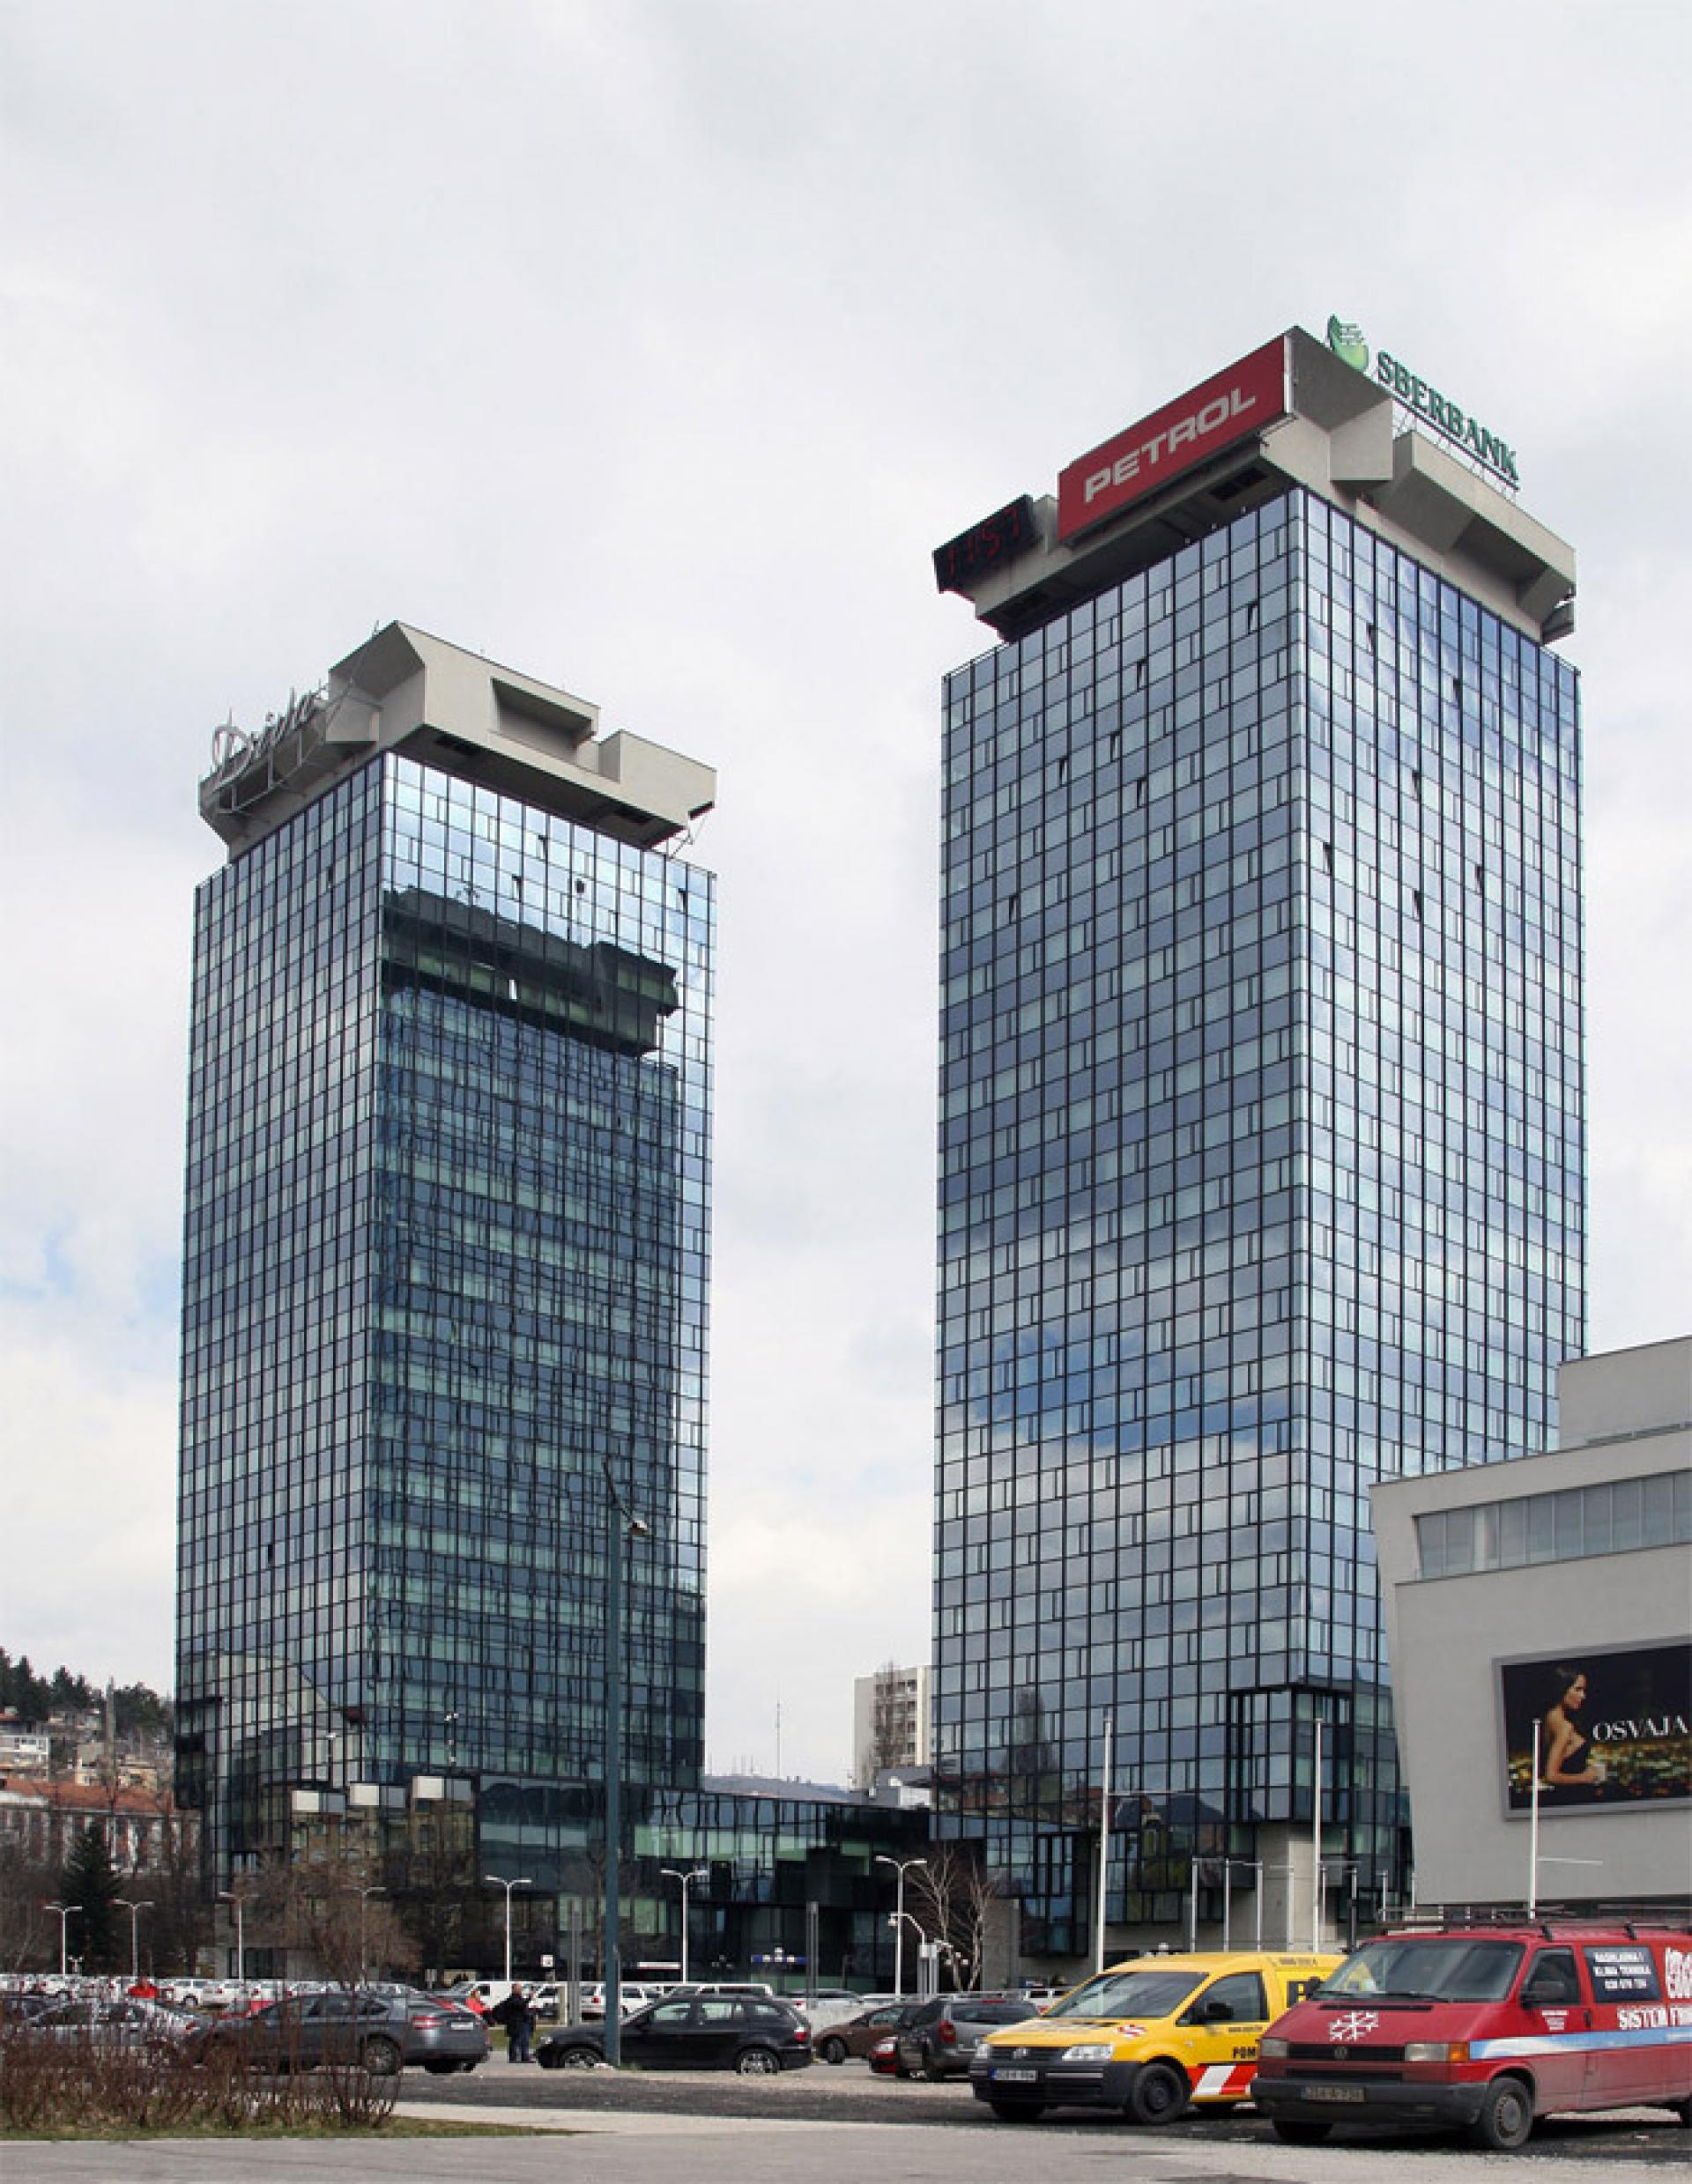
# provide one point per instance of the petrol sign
(1231, 406)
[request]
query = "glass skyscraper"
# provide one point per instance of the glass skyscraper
(447, 1245)
(1262, 1124)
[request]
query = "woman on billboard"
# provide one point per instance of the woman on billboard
(1563, 1742)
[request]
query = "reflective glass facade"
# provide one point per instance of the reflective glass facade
(446, 1259)
(1262, 1176)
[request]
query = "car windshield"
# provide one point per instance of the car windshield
(1136, 1993)
(1444, 1968)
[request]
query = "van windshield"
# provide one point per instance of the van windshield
(1442, 1968)
(1148, 1994)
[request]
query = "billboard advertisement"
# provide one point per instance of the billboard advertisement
(1615, 1729)
(1234, 404)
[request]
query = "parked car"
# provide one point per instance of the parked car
(1144, 2037)
(341, 2024)
(826, 2006)
(632, 1995)
(723, 1986)
(754, 2034)
(1487, 2030)
(883, 2058)
(858, 2035)
(122, 2023)
(939, 2040)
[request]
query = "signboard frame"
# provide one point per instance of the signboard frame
(1522, 1687)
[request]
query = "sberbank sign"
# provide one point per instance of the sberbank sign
(1425, 400)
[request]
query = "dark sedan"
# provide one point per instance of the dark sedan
(349, 2024)
(860, 2033)
(755, 2035)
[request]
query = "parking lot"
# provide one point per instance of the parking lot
(849, 2097)
(827, 2126)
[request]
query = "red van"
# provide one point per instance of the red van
(1486, 2028)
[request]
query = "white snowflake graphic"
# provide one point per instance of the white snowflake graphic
(1354, 2025)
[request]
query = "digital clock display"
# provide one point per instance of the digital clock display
(985, 546)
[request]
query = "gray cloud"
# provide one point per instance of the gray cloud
(650, 348)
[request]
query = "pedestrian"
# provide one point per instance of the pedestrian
(511, 2013)
(522, 2028)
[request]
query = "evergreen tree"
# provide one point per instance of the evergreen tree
(91, 1884)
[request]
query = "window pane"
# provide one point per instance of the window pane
(1626, 1512)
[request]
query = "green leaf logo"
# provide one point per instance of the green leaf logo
(1348, 343)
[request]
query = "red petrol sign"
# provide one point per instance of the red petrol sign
(1239, 400)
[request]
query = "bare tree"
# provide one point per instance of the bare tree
(179, 1925)
(950, 1899)
(333, 1910)
(28, 1937)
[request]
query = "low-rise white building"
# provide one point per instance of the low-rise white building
(1540, 1624)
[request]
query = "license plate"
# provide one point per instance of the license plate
(1332, 2092)
(1016, 2077)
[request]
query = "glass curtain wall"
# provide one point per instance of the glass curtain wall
(447, 1257)
(1262, 1176)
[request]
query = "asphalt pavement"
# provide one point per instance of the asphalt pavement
(833, 2126)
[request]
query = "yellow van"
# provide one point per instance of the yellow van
(1147, 2037)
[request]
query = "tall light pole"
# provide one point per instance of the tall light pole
(67, 1912)
(621, 1525)
(507, 1886)
(135, 1911)
(698, 1873)
(901, 1866)
(228, 1895)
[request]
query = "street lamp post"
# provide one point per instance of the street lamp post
(621, 1526)
(901, 1866)
(135, 1909)
(507, 1886)
(66, 1911)
(698, 1873)
(228, 1895)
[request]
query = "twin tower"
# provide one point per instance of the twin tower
(1262, 1179)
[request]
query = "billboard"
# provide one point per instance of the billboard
(1236, 403)
(1616, 1729)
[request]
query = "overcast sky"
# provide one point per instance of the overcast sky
(649, 348)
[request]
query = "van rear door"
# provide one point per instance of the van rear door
(1636, 2061)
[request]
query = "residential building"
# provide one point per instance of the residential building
(1262, 1169)
(890, 1721)
(23, 1750)
(1541, 1611)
